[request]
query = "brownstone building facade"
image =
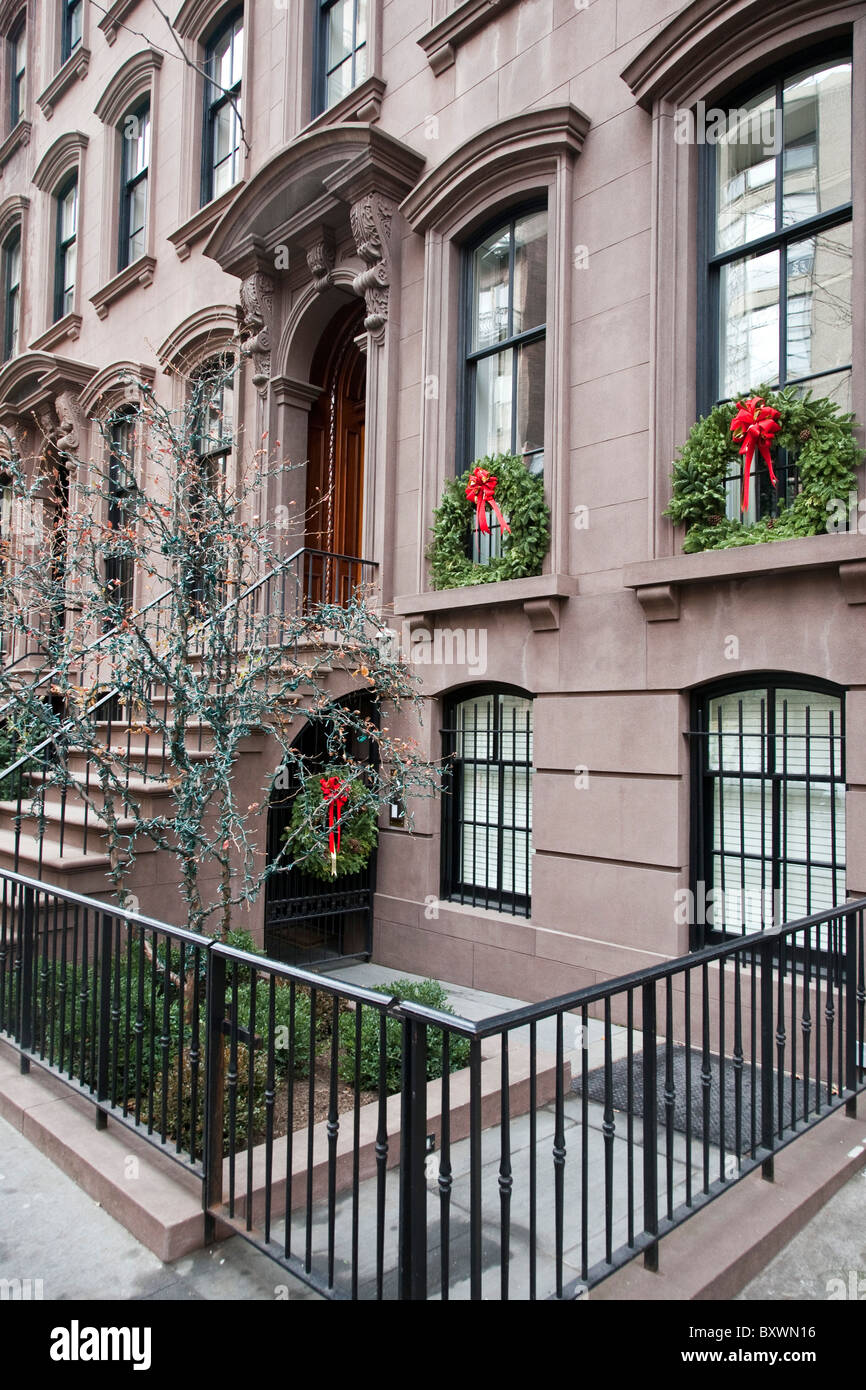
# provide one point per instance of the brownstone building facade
(554, 228)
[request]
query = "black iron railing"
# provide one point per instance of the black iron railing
(380, 1149)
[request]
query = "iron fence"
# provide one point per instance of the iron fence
(382, 1149)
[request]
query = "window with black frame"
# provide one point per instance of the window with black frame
(487, 802)
(119, 569)
(11, 293)
(341, 50)
(505, 328)
(72, 27)
(213, 410)
(769, 803)
(17, 48)
(134, 167)
(66, 249)
(223, 65)
(778, 234)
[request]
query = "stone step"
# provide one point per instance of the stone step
(150, 1195)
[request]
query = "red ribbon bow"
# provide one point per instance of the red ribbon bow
(331, 789)
(480, 490)
(756, 425)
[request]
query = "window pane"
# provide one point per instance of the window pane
(361, 22)
(69, 213)
(725, 751)
(493, 401)
(746, 174)
(530, 272)
(490, 278)
(136, 136)
(340, 82)
(74, 21)
(14, 264)
(340, 31)
(360, 65)
(69, 266)
(749, 324)
(819, 302)
(530, 400)
(817, 156)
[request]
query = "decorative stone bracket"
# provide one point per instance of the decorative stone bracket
(256, 325)
(371, 219)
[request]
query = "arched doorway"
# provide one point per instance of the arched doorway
(307, 921)
(335, 458)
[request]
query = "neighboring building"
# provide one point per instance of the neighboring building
(461, 228)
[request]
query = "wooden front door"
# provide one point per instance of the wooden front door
(335, 466)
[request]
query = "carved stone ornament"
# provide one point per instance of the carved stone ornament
(321, 258)
(70, 421)
(257, 316)
(371, 220)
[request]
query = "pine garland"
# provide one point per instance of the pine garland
(520, 495)
(813, 431)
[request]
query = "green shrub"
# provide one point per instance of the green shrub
(427, 992)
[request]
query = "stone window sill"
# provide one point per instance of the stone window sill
(442, 41)
(363, 103)
(73, 69)
(139, 273)
(658, 583)
(202, 222)
(67, 327)
(541, 597)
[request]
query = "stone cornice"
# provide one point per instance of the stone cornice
(440, 43)
(115, 380)
(12, 210)
(682, 57)
(18, 136)
(521, 140)
(363, 103)
(67, 327)
(219, 321)
(59, 159)
(49, 373)
(129, 82)
(308, 183)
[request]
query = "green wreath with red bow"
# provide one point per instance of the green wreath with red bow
(500, 486)
(747, 433)
(334, 828)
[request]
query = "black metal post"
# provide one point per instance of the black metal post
(103, 1016)
(849, 925)
(650, 1127)
(766, 950)
(413, 1185)
(212, 1146)
(25, 1005)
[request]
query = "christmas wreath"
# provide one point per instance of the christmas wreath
(334, 829)
(504, 485)
(817, 437)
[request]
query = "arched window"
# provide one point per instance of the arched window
(134, 166)
(66, 247)
(17, 45)
(487, 802)
(119, 569)
(11, 293)
(769, 803)
(213, 409)
(223, 64)
(504, 355)
(777, 216)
